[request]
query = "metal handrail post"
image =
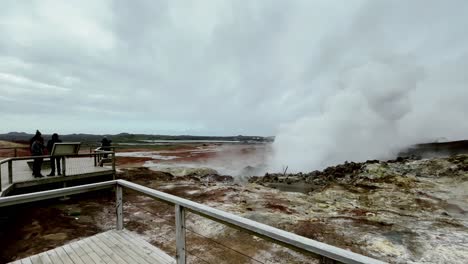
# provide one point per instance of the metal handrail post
(10, 172)
(113, 163)
(180, 234)
(64, 166)
(119, 206)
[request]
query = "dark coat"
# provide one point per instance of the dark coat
(37, 149)
(105, 144)
(50, 144)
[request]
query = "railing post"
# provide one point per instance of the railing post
(119, 206)
(16, 153)
(10, 172)
(0, 177)
(64, 166)
(113, 163)
(180, 234)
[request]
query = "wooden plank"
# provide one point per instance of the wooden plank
(103, 255)
(119, 209)
(54, 256)
(180, 234)
(26, 261)
(63, 255)
(116, 258)
(90, 252)
(131, 244)
(116, 248)
(113, 246)
(36, 259)
(154, 251)
(130, 255)
(45, 258)
(83, 255)
(73, 255)
(135, 248)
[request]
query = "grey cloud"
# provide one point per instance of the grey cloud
(290, 68)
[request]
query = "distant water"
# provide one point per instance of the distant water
(190, 141)
(175, 142)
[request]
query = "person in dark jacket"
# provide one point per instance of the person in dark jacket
(105, 145)
(54, 160)
(37, 149)
(33, 139)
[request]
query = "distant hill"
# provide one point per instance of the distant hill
(127, 137)
(429, 150)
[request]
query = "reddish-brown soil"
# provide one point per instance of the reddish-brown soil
(127, 162)
(22, 151)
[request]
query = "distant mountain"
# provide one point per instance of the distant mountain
(127, 137)
(437, 149)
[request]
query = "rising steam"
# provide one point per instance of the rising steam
(397, 76)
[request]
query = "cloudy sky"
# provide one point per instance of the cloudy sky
(198, 67)
(322, 75)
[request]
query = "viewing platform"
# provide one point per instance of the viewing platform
(122, 246)
(16, 172)
(113, 246)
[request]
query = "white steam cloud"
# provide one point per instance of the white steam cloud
(397, 76)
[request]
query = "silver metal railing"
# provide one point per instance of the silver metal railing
(330, 254)
(101, 155)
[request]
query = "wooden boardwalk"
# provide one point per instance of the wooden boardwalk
(108, 247)
(76, 168)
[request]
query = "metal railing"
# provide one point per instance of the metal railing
(330, 254)
(63, 162)
(101, 155)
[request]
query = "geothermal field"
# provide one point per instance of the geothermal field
(408, 210)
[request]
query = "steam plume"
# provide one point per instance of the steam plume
(395, 77)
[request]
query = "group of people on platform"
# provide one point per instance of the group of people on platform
(38, 148)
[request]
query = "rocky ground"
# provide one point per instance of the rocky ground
(401, 211)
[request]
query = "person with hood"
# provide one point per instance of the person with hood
(33, 139)
(54, 160)
(105, 145)
(37, 149)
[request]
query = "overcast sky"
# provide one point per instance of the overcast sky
(204, 67)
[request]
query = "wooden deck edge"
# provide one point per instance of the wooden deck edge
(58, 179)
(132, 249)
(7, 189)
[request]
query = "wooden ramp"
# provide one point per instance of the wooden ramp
(108, 247)
(76, 168)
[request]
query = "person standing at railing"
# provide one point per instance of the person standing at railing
(54, 160)
(37, 149)
(33, 139)
(105, 145)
